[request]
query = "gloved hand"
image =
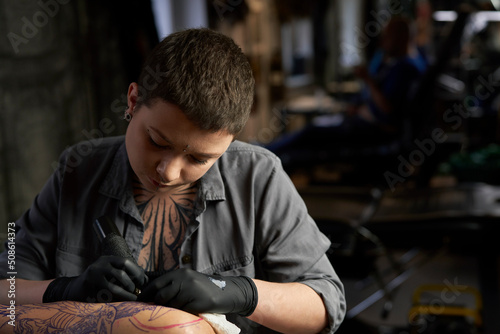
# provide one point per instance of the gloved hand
(109, 278)
(194, 292)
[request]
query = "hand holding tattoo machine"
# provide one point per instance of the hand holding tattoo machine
(185, 289)
(112, 241)
(115, 276)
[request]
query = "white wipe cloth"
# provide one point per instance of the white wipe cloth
(219, 323)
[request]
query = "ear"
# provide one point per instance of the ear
(132, 95)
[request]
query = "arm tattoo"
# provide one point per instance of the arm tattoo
(142, 326)
(76, 317)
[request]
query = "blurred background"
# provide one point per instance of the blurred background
(413, 207)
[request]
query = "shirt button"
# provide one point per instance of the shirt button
(186, 259)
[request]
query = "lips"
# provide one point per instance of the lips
(157, 184)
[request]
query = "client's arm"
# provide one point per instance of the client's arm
(77, 317)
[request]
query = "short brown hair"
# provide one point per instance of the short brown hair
(205, 74)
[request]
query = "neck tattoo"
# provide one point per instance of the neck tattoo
(165, 217)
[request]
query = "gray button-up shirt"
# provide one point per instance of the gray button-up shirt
(250, 221)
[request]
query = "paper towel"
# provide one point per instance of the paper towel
(219, 323)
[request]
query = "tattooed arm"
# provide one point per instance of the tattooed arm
(76, 317)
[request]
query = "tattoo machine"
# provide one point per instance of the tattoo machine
(112, 241)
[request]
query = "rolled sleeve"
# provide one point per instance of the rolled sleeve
(325, 282)
(295, 248)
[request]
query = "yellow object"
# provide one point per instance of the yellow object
(446, 309)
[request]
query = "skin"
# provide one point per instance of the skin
(158, 155)
(168, 155)
(116, 318)
(165, 218)
(166, 178)
(166, 150)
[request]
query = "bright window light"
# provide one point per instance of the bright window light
(496, 4)
(444, 16)
(484, 16)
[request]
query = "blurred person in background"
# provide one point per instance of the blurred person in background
(379, 112)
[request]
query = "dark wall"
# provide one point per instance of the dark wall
(65, 66)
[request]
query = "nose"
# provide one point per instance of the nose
(169, 169)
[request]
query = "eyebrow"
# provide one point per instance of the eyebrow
(198, 154)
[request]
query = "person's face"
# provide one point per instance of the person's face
(165, 149)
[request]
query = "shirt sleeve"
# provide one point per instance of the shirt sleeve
(323, 279)
(293, 249)
(36, 236)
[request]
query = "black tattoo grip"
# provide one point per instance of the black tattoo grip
(111, 239)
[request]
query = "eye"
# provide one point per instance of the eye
(155, 144)
(197, 161)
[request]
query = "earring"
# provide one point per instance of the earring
(127, 116)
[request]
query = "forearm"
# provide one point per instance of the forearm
(22, 291)
(289, 308)
(122, 317)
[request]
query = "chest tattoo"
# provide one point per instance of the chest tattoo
(165, 216)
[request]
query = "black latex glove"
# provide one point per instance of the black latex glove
(194, 292)
(110, 278)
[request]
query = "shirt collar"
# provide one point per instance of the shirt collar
(212, 185)
(117, 180)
